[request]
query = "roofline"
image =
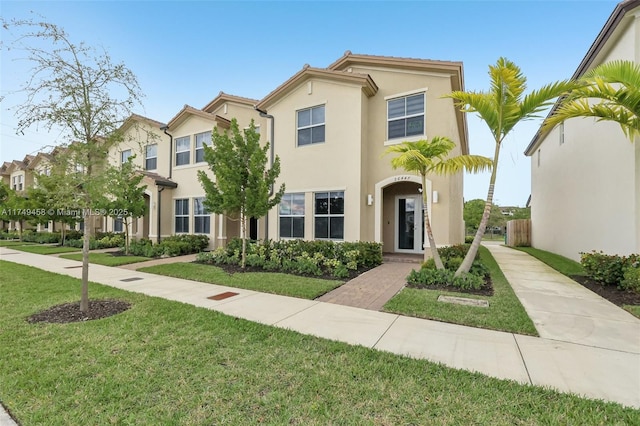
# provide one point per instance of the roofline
(187, 109)
(618, 14)
(226, 97)
(364, 80)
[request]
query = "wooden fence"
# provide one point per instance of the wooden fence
(519, 233)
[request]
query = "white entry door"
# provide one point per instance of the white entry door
(409, 232)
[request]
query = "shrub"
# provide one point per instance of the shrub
(468, 282)
(607, 269)
(429, 277)
(631, 278)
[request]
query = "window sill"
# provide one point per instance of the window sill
(400, 140)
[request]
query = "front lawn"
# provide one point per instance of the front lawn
(505, 312)
(164, 362)
(41, 249)
(11, 243)
(266, 282)
(107, 259)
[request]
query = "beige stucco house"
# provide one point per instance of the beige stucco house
(585, 175)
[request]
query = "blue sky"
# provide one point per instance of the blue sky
(187, 52)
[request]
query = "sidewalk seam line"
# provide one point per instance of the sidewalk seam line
(385, 332)
(522, 358)
(296, 313)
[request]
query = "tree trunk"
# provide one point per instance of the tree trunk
(243, 235)
(20, 230)
(84, 298)
(126, 236)
(465, 266)
(427, 227)
(63, 233)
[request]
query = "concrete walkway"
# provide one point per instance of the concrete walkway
(593, 371)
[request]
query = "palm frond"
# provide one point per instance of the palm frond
(468, 163)
(619, 71)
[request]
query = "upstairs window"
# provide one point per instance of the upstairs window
(405, 116)
(201, 140)
(151, 157)
(310, 123)
(124, 156)
(183, 150)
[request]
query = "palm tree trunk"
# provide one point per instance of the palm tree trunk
(465, 266)
(427, 227)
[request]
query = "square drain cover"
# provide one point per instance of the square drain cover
(223, 296)
(128, 280)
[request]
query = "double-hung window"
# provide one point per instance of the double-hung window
(182, 216)
(151, 157)
(201, 217)
(183, 150)
(124, 156)
(329, 215)
(405, 116)
(310, 124)
(292, 216)
(117, 224)
(201, 140)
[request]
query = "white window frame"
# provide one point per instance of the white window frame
(405, 95)
(329, 215)
(201, 214)
(312, 125)
(289, 197)
(124, 155)
(147, 158)
(200, 139)
(188, 150)
(184, 202)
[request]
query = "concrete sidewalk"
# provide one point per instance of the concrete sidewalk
(592, 371)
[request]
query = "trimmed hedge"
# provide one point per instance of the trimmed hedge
(452, 257)
(176, 245)
(316, 258)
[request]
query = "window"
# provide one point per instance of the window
(117, 224)
(17, 183)
(151, 157)
(201, 140)
(183, 150)
(201, 217)
(182, 216)
(405, 116)
(46, 171)
(124, 156)
(561, 132)
(538, 158)
(292, 216)
(311, 125)
(329, 215)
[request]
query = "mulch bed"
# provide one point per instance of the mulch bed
(70, 312)
(486, 290)
(609, 292)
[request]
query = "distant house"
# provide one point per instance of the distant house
(585, 175)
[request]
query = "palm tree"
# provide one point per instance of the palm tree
(502, 107)
(617, 85)
(429, 156)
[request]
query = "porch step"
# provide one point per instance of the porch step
(402, 258)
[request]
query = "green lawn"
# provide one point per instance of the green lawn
(266, 282)
(11, 243)
(164, 362)
(107, 259)
(561, 264)
(41, 249)
(505, 312)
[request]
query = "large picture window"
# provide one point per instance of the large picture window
(292, 216)
(405, 116)
(201, 217)
(183, 150)
(201, 140)
(329, 215)
(151, 157)
(310, 124)
(182, 216)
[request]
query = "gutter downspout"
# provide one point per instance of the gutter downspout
(164, 129)
(271, 160)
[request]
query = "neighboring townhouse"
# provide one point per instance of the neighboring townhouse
(331, 127)
(585, 175)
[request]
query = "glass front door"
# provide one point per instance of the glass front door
(409, 229)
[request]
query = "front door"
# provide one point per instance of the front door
(409, 228)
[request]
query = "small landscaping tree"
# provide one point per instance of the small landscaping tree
(242, 186)
(16, 208)
(430, 156)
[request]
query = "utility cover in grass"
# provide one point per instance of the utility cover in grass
(464, 301)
